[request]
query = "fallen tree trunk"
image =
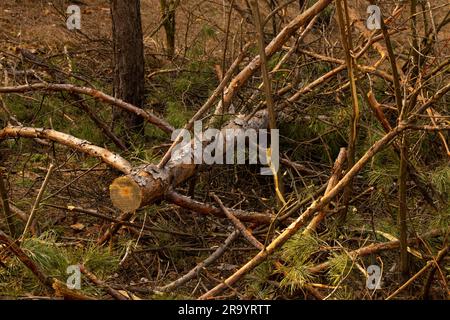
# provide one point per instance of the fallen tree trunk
(147, 183)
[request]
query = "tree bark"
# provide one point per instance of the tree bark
(168, 8)
(147, 183)
(128, 59)
(4, 202)
(84, 146)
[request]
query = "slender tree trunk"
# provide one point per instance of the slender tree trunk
(128, 60)
(403, 208)
(272, 5)
(414, 40)
(403, 176)
(168, 15)
(346, 37)
(279, 187)
(5, 206)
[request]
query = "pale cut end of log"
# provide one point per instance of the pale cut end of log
(125, 194)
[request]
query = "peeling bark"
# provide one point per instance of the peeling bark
(147, 183)
(84, 146)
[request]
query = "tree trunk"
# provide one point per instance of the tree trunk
(128, 60)
(147, 183)
(168, 8)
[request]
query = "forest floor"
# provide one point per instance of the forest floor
(169, 241)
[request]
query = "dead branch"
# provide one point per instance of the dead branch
(441, 255)
(123, 218)
(103, 127)
(198, 268)
(60, 76)
(101, 96)
(413, 172)
(15, 122)
(377, 247)
(297, 166)
(203, 208)
(95, 213)
(301, 220)
(207, 105)
(61, 290)
(279, 188)
(429, 128)
(441, 136)
(38, 199)
(438, 95)
(19, 213)
(346, 37)
(114, 293)
(84, 146)
(402, 113)
(334, 178)
(271, 49)
(329, 75)
(431, 263)
(379, 114)
(12, 247)
(239, 226)
(5, 206)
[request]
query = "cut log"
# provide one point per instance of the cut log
(147, 183)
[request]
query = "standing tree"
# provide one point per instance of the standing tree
(168, 8)
(128, 60)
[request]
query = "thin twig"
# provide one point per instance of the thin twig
(429, 264)
(198, 268)
(114, 293)
(239, 225)
(279, 189)
(334, 178)
(38, 199)
(346, 39)
(301, 220)
(99, 95)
